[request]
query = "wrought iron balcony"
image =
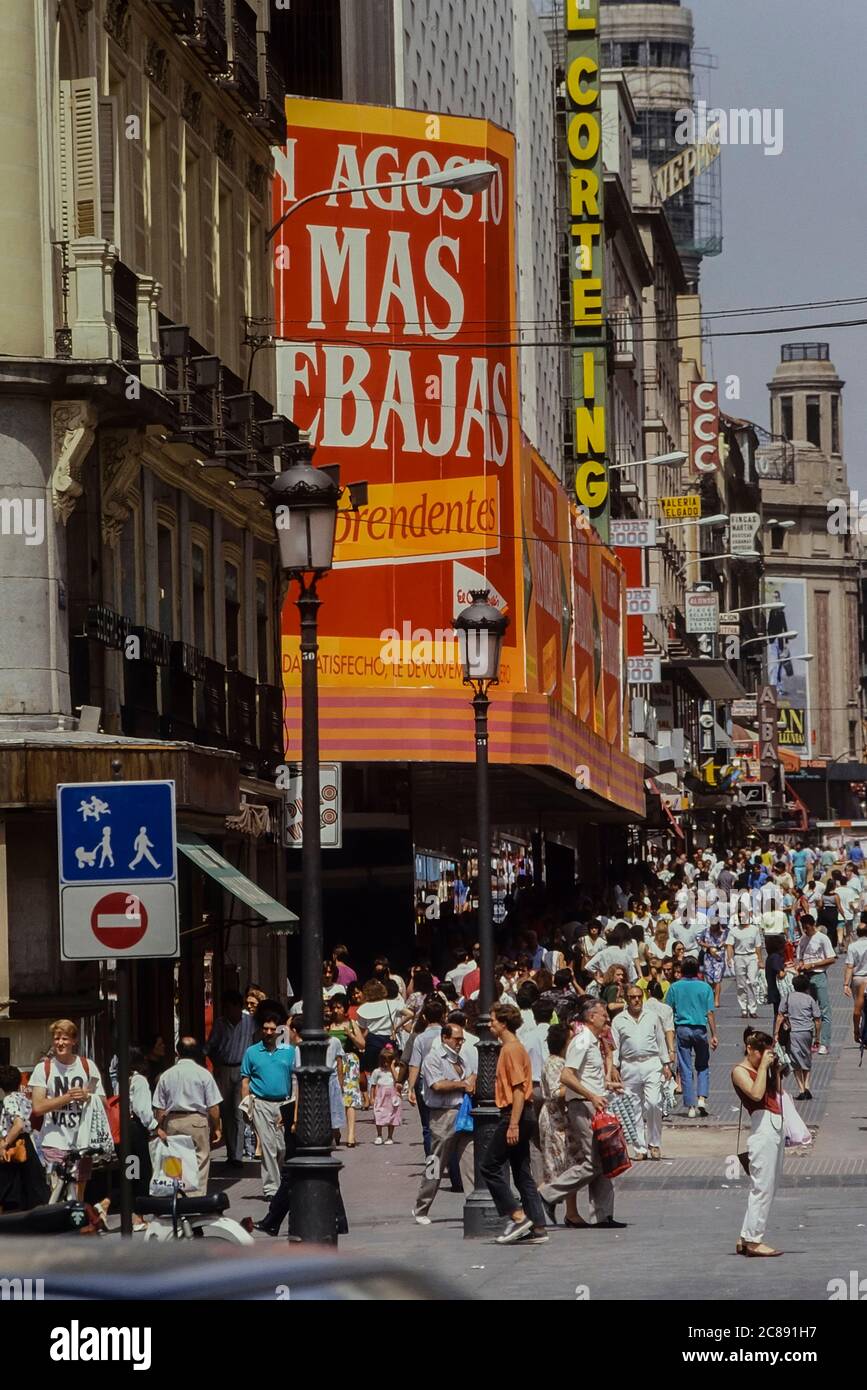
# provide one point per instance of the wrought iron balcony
(181, 14)
(270, 114)
(242, 76)
(208, 38)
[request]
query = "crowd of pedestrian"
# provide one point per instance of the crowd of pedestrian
(609, 1008)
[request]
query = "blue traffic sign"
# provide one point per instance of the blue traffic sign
(116, 832)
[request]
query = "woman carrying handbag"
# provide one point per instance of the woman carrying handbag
(757, 1083)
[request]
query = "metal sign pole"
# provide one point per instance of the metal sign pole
(124, 1003)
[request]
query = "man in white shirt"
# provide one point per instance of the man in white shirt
(744, 952)
(641, 1055)
(585, 1083)
(448, 1074)
(187, 1101)
(466, 963)
(687, 930)
(815, 955)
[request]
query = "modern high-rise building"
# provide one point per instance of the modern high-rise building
(653, 42)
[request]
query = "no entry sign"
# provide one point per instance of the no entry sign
(119, 920)
(101, 923)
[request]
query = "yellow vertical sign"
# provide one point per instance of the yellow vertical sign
(589, 364)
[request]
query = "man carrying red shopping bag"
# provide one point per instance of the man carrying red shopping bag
(585, 1080)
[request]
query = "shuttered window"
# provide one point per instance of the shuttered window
(86, 161)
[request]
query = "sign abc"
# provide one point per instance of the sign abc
(592, 486)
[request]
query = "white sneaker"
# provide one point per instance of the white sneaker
(691, 1113)
(378, 1141)
(420, 1219)
(389, 1141)
(823, 1051)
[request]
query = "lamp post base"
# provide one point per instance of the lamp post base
(481, 1218)
(314, 1198)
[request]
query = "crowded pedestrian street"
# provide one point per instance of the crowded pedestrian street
(682, 1213)
(433, 668)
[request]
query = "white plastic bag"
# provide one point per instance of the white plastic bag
(94, 1131)
(797, 1132)
(184, 1169)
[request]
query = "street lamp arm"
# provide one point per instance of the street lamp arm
(471, 176)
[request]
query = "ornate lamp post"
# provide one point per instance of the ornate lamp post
(481, 629)
(304, 501)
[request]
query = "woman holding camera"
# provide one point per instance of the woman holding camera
(758, 1086)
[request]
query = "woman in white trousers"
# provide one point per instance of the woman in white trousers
(757, 1083)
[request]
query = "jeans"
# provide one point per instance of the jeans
(693, 1042)
(517, 1157)
(819, 983)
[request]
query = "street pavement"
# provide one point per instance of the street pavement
(684, 1213)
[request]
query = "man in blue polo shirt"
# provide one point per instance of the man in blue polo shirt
(266, 1076)
(695, 1030)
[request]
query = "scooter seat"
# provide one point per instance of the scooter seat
(187, 1206)
(43, 1221)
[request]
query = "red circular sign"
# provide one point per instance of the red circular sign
(119, 920)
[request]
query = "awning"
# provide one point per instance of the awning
(713, 676)
(234, 882)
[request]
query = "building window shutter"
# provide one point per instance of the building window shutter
(86, 173)
(107, 127)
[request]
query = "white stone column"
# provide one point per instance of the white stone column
(148, 297)
(94, 335)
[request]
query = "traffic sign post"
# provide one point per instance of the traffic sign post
(117, 856)
(118, 871)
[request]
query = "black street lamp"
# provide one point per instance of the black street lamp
(481, 629)
(304, 501)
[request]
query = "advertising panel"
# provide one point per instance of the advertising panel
(789, 677)
(547, 582)
(587, 652)
(704, 428)
(390, 306)
(702, 611)
(586, 214)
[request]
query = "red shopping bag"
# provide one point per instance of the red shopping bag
(610, 1144)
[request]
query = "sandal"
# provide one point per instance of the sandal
(760, 1252)
(656, 1155)
(578, 1225)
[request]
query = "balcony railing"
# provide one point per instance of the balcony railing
(242, 78)
(270, 115)
(208, 39)
(181, 14)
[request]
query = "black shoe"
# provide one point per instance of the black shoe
(609, 1225)
(234, 1162)
(550, 1211)
(266, 1227)
(454, 1189)
(808, 1095)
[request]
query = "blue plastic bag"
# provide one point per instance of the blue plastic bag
(464, 1121)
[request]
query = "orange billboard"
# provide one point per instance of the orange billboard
(395, 310)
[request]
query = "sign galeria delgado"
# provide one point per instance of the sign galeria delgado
(586, 217)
